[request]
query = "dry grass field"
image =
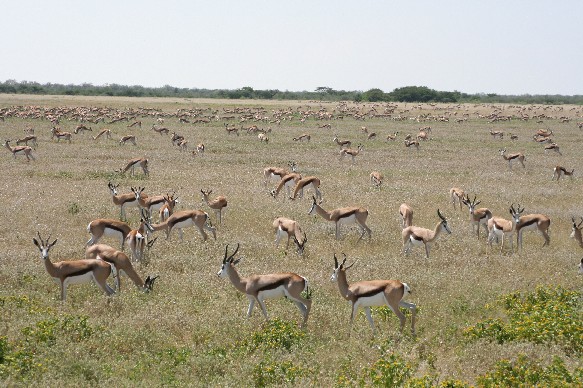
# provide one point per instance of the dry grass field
(192, 329)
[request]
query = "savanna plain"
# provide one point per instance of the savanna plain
(192, 330)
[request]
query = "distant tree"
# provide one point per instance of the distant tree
(374, 95)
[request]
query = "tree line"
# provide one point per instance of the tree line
(323, 93)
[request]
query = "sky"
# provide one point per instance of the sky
(498, 46)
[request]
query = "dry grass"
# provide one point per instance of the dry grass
(193, 311)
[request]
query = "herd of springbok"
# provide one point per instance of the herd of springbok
(102, 261)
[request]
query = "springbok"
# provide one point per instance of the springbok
(274, 172)
(406, 214)
(553, 147)
(123, 200)
(75, 271)
(19, 150)
(497, 134)
(501, 228)
(412, 143)
(477, 216)
(344, 215)
(132, 163)
(150, 204)
(576, 231)
(290, 228)
(376, 179)
(56, 132)
(168, 208)
(305, 136)
(370, 293)
(109, 228)
(160, 130)
(29, 138)
(559, 171)
(456, 195)
(121, 265)
(343, 143)
(257, 288)
(106, 132)
(517, 156)
(416, 236)
(184, 219)
(349, 151)
(217, 204)
(128, 138)
(288, 181)
(309, 181)
(538, 222)
(392, 137)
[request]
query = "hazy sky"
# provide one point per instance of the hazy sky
(505, 47)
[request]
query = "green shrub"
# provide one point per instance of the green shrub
(547, 315)
(270, 372)
(277, 334)
(388, 371)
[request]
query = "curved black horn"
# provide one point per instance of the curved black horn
(440, 215)
(234, 253)
(335, 261)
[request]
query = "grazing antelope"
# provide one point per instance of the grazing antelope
(406, 214)
(104, 227)
(132, 163)
(544, 132)
(200, 149)
(168, 208)
(273, 172)
(305, 136)
(456, 195)
(542, 140)
(477, 216)
(184, 219)
(576, 231)
(160, 130)
(217, 204)
(60, 135)
(349, 151)
(288, 181)
(230, 130)
(371, 136)
(19, 150)
(138, 123)
(75, 271)
(538, 222)
(257, 288)
(513, 136)
(343, 143)
(344, 215)
(422, 135)
(501, 228)
(26, 139)
(553, 147)
(130, 138)
(376, 179)
(121, 265)
(392, 137)
(517, 156)
(106, 132)
(412, 143)
(263, 138)
(183, 145)
(370, 293)
(559, 171)
(415, 236)
(497, 134)
(123, 200)
(303, 183)
(290, 228)
(150, 204)
(81, 128)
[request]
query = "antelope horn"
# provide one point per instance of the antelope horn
(345, 257)
(226, 250)
(440, 215)
(350, 266)
(335, 261)
(234, 253)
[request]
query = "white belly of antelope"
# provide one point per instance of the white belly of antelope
(347, 220)
(184, 224)
(373, 300)
(274, 293)
(415, 242)
(80, 279)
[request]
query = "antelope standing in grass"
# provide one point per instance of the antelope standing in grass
(149, 204)
(128, 138)
(305, 136)
(123, 200)
(81, 128)
(517, 156)
(576, 231)
(75, 271)
(274, 172)
(106, 132)
(138, 123)
(217, 204)
(132, 163)
(538, 222)
(367, 294)
(406, 214)
(344, 215)
(497, 134)
(288, 181)
(121, 265)
(553, 147)
(60, 135)
(184, 219)
(477, 216)
(160, 130)
(422, 135)
(499, 228)
(105, 227)
(19, 150)
(257, 288)
(416, 236)
(456, 195)
(412, 143)
(309, 181)
(392, 137)
(230, 130)
(376, 179)
(263, 138)
(562, 171)
(168, 208)
(137, 238)
(290, 228)
(176, 139)
(349, 151)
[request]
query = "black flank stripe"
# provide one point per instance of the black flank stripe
(350, 213)
(79, 273)
(371, 292)
(180, 219)
(113, 227)
(416, 237)
(272, 285)
(534, 220)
